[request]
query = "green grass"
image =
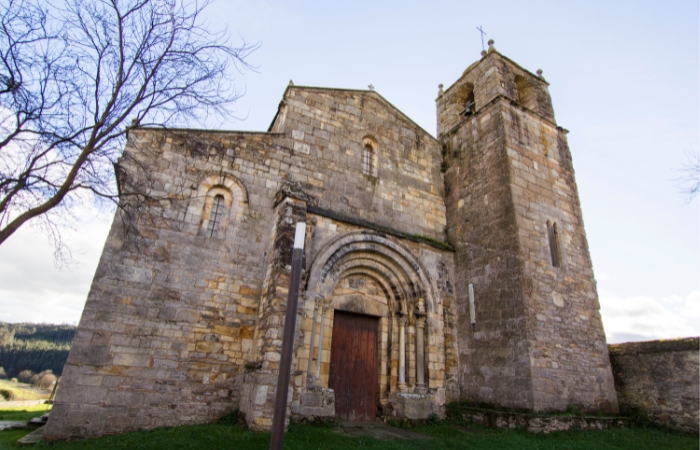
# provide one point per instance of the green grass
(8, 438)
(444, 435)
(22, 391)
(23, 412)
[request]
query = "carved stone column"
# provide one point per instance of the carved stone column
(323, 310)
(420, 355)
(309, 370)
(403, 320)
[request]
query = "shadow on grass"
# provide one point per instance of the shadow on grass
(445, 435)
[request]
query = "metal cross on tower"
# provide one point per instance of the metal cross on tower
(482, 36)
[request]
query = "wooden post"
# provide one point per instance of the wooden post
(288, 340)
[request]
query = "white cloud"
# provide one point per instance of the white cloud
(33, 289)
(643, 318)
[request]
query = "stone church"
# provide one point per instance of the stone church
(435, 269)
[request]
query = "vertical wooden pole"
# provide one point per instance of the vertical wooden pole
(288, 341)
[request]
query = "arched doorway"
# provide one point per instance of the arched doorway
(374, 303)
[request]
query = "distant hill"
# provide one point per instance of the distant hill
(35, 347)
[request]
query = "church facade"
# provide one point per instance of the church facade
(435, 269)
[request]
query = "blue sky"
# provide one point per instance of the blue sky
(624, 80)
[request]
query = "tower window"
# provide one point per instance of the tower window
(469, 105)
(367, 159)
(553, 234)
(465, 100)
(527, 96)
(217, 211)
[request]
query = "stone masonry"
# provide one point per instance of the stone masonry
(538, 341)
(183, 322)
(658, 380)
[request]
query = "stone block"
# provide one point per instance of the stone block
(315, 403)
(413, 406)
(90, 354)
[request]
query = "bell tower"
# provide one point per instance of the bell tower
(530, 334)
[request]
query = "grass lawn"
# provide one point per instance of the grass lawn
(23, 412)
(444, 435)
(23, 391)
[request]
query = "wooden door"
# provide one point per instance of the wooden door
(353, 370)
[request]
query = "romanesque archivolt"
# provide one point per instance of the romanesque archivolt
(374, 275)
(372, 252)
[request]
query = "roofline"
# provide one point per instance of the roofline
(473, 65)
(361, 91)
(201, 130)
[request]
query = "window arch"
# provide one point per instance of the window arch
(219, 200)
(215, 214)
(527, 96)
(369, 156)
(465, 100)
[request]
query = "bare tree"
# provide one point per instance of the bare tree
(689, 180)
(74, 77)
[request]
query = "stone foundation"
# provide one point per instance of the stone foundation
(536, 423)
(314, 404)
(414, 406)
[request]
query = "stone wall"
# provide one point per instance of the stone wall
(659, 381)
(183, 320)
(181, 326)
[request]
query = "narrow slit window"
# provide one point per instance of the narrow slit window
(553, 233)
(367, 160)
(217, 211)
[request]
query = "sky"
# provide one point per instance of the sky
(624, 81)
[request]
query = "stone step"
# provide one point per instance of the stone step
(33, 437)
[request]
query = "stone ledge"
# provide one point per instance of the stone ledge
(661, 346)
(441, 245)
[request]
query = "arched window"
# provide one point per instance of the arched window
(367, 160)
(465, 100)
(553, 234)
(369, 156)
(469, 105)
(219, 204)
(526, 93)
(217, 212)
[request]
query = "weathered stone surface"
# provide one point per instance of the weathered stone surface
(414, 406)
(184, 320)
(314, 403)
(538, 341)
(659, 381)
(536, 423)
